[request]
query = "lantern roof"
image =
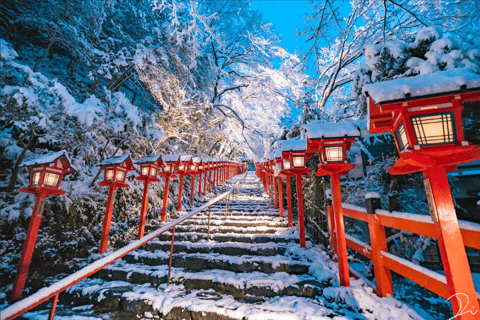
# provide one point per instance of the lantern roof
(171, 157)
(148, 159)
(197, 160)
(50, 158)
(277, 153)
(118, 160)
(423, 86)
(319, 130)
(294, 145)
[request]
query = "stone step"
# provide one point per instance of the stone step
(230, 248)
(226, 229)
(119, 300)
(237, 285)
(220, 221)
(236, 218)
(232, 237)
(199, 261)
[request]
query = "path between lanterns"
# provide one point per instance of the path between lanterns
(251, 268)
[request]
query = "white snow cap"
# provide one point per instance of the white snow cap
(422, 85)
(277, 153)
(328, 193)
(114, 160)
(171, 157)
(319, 130)
(372, 195)
(197, 160)
(148, 159)
(47, 158)
(294, 145)
(185, 158)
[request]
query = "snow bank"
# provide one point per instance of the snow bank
(422, 85)
(372, 194)
(152, 158)
(319, 130)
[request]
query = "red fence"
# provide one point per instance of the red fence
(385, 262)
(53, 291)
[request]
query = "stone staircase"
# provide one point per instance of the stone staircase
(252, 267)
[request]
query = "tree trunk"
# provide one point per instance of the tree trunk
(39, 62)
(16, 167)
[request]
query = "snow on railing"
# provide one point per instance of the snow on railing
(53, 291)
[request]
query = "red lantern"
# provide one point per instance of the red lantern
(424, 115)
(46, 175)
(332, 141)
(294, 156)
(115, 172)
(172, 162)
(150, 166)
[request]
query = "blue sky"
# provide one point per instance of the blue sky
(286, 17)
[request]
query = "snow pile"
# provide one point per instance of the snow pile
(294, 145)
(114, 160)
(152, 158)
(423, 85)
(319, 130)
(372, 194)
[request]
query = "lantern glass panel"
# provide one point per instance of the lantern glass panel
(434, 129)
(120, 175)
(181, 168)
(298, 161)
(168, 168)
(334, 154)
(51, 179)
(36, 178)
(402, 139)
(144, 171)
(109, 174)
(153, 172)
(286, 164)
(192, 168)
(201, 167)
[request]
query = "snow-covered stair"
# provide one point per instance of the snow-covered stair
(251, 268)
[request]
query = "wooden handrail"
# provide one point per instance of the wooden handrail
(44, 294)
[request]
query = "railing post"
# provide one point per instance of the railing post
(208, 228)
(171, 255)
(51, 315)
(378, 242)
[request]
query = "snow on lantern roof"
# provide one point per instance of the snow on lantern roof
(148, 159)
(197, 160)
(294, 145)
(318, 130)
(185, 158)
(171, 157)
(271, 156)
(114, 160)
(47, 158)
(436, 83)
(277, 153)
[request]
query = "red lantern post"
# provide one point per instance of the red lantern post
(172, 162)
(201, 170)
(115, 171)
(183, 169)
(149, 168)
(295, 152)
(332, 141)
(46, 174)
(427, 126)
(278, 168)
(195, 169)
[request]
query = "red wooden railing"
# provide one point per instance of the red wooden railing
(385, 262)
(53, 291)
